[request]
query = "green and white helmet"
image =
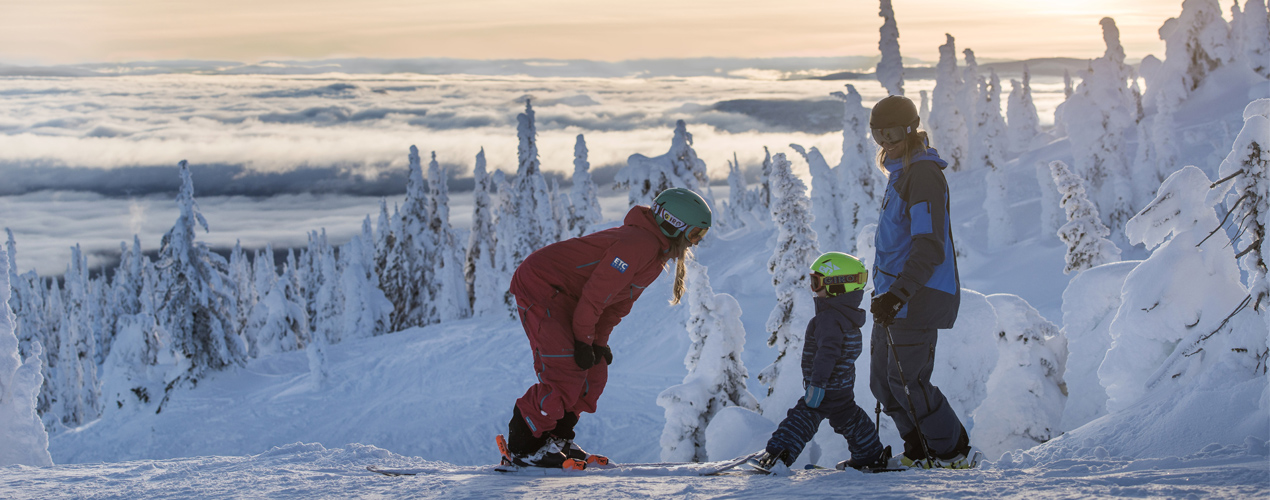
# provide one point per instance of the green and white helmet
(681, 211)
(838, 273)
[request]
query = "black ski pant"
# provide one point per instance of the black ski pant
(846, 417)
(914, 353)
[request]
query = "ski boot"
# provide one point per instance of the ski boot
(573, 451)
(880, 462)
(549, 456)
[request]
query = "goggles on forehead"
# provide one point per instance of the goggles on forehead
(889, 135)
(819, 281)
(693, 233)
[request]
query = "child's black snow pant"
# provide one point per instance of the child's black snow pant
(846, 418)
(944, 433)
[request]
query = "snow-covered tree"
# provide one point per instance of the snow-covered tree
(826, 203)
(923, 109)
(479, 267)
(1021, 116)
(367, 311)
(968, 101)
(795, 248)
(511, 248)
(80, 387)
(326, 319)
(402, 261)
(279, 320)
(1248, 167)
(1097, 118)
(533, 199)
(197, 304)
(1254, 35)
(447, 288)
(23, 440)
(716, 374)
(1090, 302)
(1084, 234)
(990, 139)
(241, 277)
(739, 201)
(645, 177)
(583, 196)
(1196, 276)
(1196, 43)
(947, 124)
(860, 185)
(1026, 393)
(890, 70)
(1052, 213)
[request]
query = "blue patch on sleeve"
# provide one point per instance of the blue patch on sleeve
(619, 265)
(920, 214)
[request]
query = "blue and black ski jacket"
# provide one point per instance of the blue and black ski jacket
(915, 259)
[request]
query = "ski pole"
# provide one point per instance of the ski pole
(912, 411)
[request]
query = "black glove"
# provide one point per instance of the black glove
(603, 351)
(583, 354)
(885, 307)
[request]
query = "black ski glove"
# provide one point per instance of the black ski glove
(885, 307)
(603, 351)
(583, 354)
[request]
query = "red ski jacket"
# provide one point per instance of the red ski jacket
(604, 272)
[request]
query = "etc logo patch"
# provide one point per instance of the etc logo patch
(619, 264)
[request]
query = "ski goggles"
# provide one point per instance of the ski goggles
(819, 281)
(889, 135)
(693, 233)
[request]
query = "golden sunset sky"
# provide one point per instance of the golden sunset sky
(40, 32)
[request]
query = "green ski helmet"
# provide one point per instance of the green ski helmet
(838, 273)
(681, 211)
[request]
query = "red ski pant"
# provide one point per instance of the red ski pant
(562, 386)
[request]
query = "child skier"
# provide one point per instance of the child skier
(832, 344)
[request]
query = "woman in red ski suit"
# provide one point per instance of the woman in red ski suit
(570, 295)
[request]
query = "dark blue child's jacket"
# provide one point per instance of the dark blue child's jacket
(833, 342)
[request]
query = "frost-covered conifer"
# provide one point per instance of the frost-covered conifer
(861, 186)
(826, 202)
(583, 196)
(1248, 166)
(241, 277)
(795, 248)
(1196, 43)
(1021, 116)
(80, 389)
(1084, 234)
(1052, 213)
(923, 109)
(533, 199)
(739, 200)
(510, 250)
(1025, 400)
(366, 310)
(890, 70)
(1097, 118)
(327, 321)
(279, 319)
(968, 101)
(23, 440)
(197, 306)
(716, 374)
(645, 177)
(1255, 34)
(402, 262)
(1090, 302)
(947, 124)
(479, 269)
(1196, 276)
(990, 138)
(448, 289)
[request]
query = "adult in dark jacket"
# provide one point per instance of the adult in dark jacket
(916, 292)
(570, 295)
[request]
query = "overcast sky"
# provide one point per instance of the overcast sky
(40, 32)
